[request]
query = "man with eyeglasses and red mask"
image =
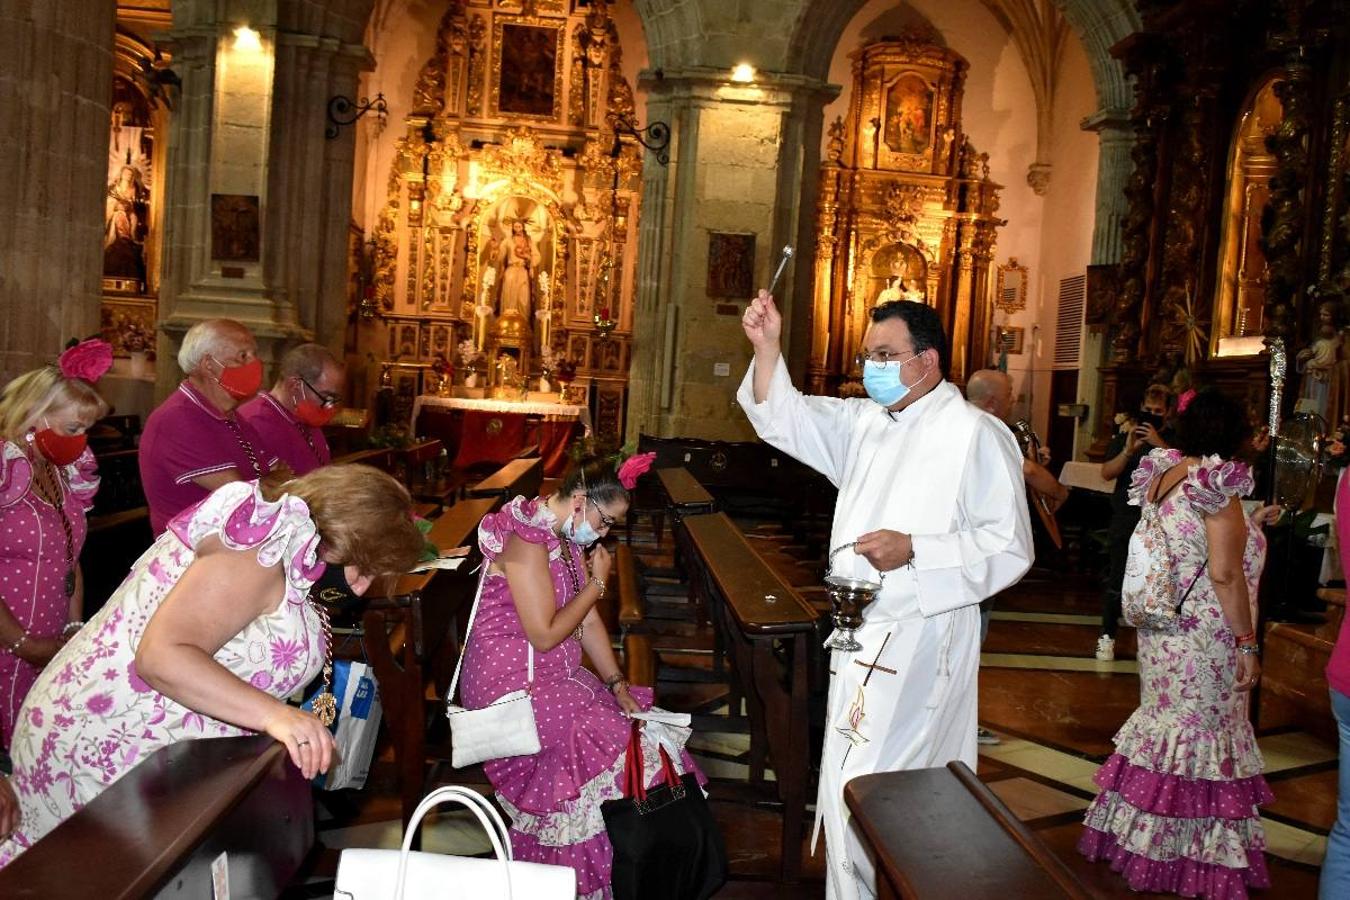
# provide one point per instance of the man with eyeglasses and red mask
(289, 419)
(194, 441)
(933, 508)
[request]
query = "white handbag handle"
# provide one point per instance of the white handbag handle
(487, 817)
(468, 630)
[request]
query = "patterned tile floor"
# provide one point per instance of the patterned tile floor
(1052, 703)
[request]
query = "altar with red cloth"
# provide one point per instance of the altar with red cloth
(481, 431)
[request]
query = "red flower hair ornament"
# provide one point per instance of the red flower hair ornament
(633, 467)
(1185, 400)
(88, 360)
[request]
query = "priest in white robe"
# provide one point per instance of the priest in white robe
(931, 491)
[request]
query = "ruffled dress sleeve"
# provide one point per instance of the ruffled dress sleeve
(527, 519)
(281, 531)
(1209, 488)
(82, 478)
(16, 474)
(1157, 461)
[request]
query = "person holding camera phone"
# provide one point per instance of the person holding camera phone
(1147, 433)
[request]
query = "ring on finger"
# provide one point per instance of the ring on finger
(302, 743)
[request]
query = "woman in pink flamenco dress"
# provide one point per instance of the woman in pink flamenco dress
(537, 591)
(1178, 811)
(210, 631)
(48, 478)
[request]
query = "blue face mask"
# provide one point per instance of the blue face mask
(882, 381)
(583, 534)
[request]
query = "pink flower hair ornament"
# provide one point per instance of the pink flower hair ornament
(88, 360)
(634, 467)
(1185, 400)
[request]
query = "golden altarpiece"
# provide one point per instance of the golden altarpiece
(906, 209)
(506, 245)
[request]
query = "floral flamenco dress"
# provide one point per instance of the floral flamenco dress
(90, 718)
(553, 797)
(1178, 807)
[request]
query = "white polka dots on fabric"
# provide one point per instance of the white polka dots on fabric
(553, 796)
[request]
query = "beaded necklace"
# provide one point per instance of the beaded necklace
(574, 579)
(48, 485)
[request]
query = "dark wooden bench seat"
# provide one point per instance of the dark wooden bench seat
(631, 605)
(940, 833)
(158, 829)
(768, 634)
(516, 478)
(411, 637)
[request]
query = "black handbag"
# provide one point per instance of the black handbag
(666, 844)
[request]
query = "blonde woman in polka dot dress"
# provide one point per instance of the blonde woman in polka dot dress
(47, 484)
(538, 591)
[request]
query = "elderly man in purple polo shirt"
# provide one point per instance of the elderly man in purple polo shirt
(290, 418)
(193, 442)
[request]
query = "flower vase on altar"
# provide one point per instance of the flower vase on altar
(471, 380)
(544, 385)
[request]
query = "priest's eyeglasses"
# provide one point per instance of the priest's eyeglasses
(882, 357)
(327, 401)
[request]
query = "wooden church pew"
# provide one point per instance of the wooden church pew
(940, 833)
(769, 634)
(159, 830)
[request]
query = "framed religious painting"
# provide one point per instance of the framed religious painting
(527, 63)
(407, 384)
(909, 115)
(236, 234)
(731, 265)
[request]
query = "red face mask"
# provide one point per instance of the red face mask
(61, 449)
(242, 382)
(314, 415)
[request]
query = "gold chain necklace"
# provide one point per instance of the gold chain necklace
(325, 704)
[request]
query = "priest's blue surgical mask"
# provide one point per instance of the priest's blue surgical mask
(882, 381)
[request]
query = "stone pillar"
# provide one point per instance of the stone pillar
(743, 159)
(56, 63)
(310, 176)
(1115, 139)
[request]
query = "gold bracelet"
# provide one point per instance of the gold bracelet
(13, 649)
(599, 585)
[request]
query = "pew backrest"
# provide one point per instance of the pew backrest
(159, 829)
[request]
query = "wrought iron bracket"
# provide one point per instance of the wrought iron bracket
(344, 111)
(655, 136)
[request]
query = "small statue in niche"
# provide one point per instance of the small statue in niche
(1324, 367)
(518, 258)
(835, 151)
(891, 292)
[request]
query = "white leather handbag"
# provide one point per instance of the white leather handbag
(503, 728)
(407, 875)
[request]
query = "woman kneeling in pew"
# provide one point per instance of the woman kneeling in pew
(539, 592)
(214, 625)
